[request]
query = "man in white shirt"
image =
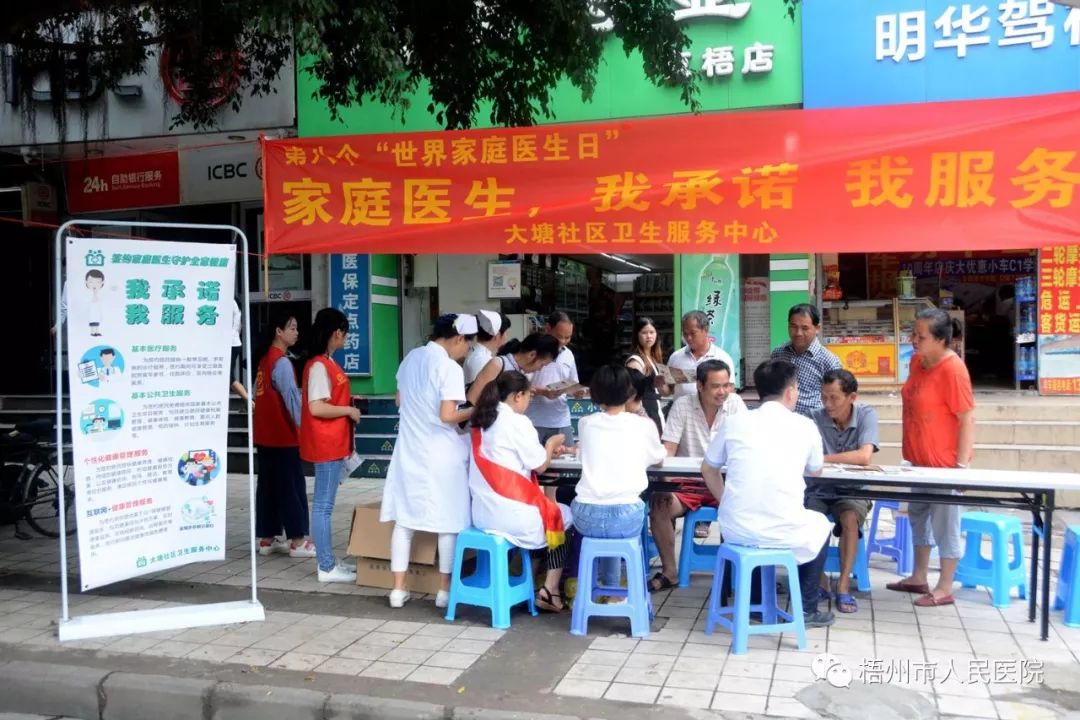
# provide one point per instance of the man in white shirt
(767, 454)
(699, 348)
(691, 425)
(549, 410)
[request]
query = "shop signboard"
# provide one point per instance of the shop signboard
(220, 172)
(123, 182)
(1059, 320)
(994, 174)
(350, 292)
(148, 336)
(903, 51)
(710, 283)
(746, 54)
(978, 267)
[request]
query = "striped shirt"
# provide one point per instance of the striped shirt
(811, 367)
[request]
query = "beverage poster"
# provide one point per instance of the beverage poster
(148, 333)
(710, 283)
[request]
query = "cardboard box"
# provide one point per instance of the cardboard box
(369, 542)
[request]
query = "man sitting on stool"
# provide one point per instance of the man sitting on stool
(767, 454)
(691, 424)
(849, 432)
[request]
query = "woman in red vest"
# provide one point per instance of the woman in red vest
(326, 433)
(281, 495)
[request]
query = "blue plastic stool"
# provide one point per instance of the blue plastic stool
(693, 556)
(491, 585)
(637, 606)
(898, 547)
(1067, 597)
(648, 545)
(995, 572)
(860, 571)
(743, 561)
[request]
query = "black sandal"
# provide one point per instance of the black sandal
(662, 583)
(544, 602)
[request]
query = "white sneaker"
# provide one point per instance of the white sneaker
(442, 599)
(398, 598)
(337, 575)
(275, 545)
(306, 550)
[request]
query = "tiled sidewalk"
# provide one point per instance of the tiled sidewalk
(678, 665)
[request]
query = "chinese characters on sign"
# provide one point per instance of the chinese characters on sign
(699, 184)
(350, 292)
(1059, 320)
(880, 671)
(148, 356)
(903, 36)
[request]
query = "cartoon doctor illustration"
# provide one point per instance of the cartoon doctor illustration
(108, 372)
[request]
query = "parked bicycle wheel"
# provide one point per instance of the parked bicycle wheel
(41, 500)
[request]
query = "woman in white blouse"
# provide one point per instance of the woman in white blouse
(506, 498)
(616, 447)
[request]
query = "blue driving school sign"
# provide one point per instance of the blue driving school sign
(881, 52)
(350, 292)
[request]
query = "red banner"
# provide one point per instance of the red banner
(123, 181)
(988, 174)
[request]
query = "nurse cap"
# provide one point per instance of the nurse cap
(465, 324)
(490, 322)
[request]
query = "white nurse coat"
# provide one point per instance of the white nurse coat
(427, 485)
(767, 453)
(510, 442)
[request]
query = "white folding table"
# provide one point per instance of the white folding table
(1023, 490)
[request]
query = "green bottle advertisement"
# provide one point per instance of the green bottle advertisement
(710, 283)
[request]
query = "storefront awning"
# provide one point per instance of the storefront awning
(987, 174)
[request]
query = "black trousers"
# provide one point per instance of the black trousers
(281, 494)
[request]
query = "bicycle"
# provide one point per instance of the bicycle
(29, 482)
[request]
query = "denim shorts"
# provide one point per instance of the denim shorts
(608, 521)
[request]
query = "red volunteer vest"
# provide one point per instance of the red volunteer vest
(323, 440)
(274, 426)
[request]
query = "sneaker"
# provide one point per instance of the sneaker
(306, 550)
(442, 599)
(337, 575)
(398, 598)
(273, 545)
(819, 618)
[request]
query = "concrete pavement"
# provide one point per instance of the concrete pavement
(340, 651)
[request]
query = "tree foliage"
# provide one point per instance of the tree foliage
(508, 53)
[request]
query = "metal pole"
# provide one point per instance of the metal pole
(245, 281)
(58, 280)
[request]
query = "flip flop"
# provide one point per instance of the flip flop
(661, 583)
(846, 603)
(903, 586)
(544, 602)
(928, 600)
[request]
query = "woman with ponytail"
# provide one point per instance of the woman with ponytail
(525, 356)
(506, 498)
(427, 485)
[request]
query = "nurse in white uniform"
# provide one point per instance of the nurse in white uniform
(490, 336)
(506, 498)
(427, 485)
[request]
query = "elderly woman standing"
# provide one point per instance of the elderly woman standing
(939, 431)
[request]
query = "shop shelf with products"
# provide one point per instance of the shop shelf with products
(1025, 318)
(654, 297)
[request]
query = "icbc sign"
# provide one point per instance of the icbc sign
(221, 173)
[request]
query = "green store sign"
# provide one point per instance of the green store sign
(747, 54)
